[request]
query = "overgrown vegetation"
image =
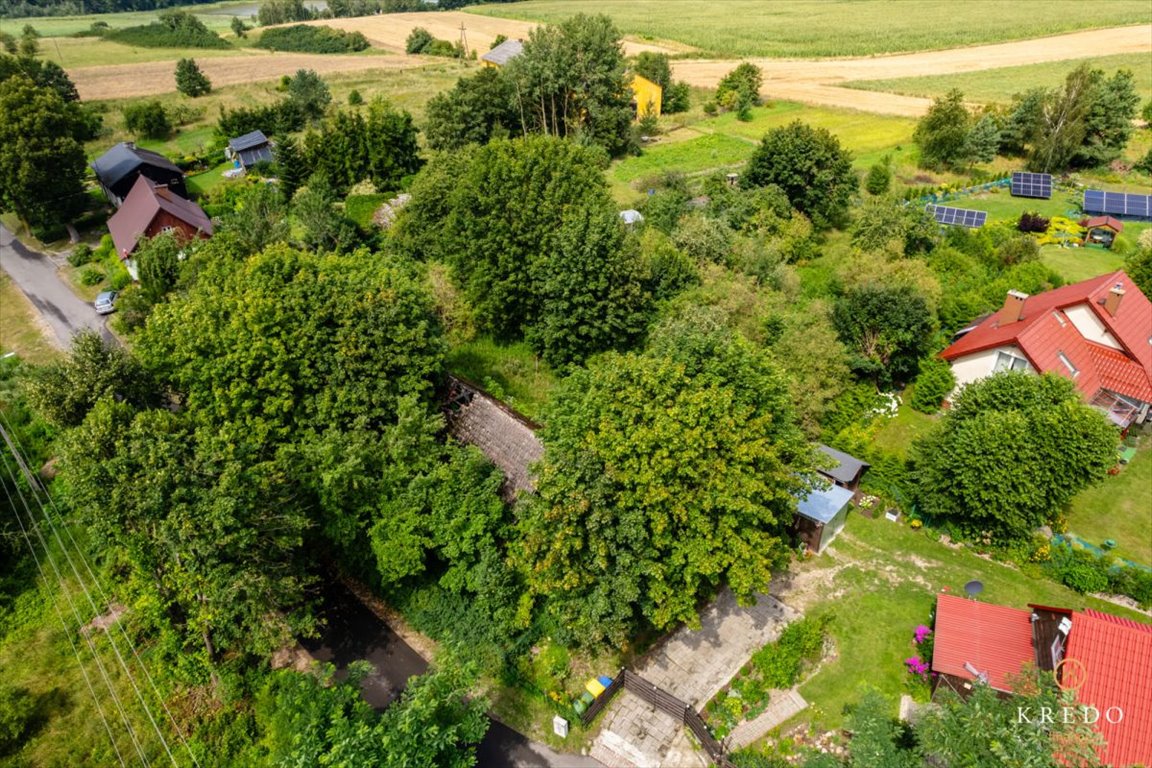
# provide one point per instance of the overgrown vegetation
(174, 29)
(302, 38)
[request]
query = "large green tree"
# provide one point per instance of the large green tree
(811, 167)
(477, 109)
(666, 476)
(42, 163)
(943, 133)
(571, 80)
(190, 79)
(286, 341)
(1012, 450)
(1108, 124)
(377, 144)
(886, 328)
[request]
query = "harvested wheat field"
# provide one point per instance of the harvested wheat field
(390, 30)
(815, 81)
(119, 81)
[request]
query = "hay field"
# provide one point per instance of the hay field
(390, 30)
(820, 28)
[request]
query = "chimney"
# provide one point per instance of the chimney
(1013, 308)
(1111, 302)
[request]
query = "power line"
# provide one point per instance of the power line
(104, 598)
(35, 486)
(67, 631)
(75, 611)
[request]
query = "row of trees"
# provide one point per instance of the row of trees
(1086, 123)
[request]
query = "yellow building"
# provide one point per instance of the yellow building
(647, 97)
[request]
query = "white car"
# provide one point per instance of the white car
(106, 302)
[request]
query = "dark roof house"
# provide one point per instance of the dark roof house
(844, 470)
(149, 210)
(118, 168)
(249, 149)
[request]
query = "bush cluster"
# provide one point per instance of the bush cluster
(174, 29)
(421, 41)
(1086, 572)
(1030, 221)
(301, 38)
(933, 384)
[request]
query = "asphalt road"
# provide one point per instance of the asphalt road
(35, 274)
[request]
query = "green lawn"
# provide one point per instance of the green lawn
(1120, 508)
(999, 85)
(510, 372)
(725, 143)
(804, 28)
(1076, 264)
(878, 581)
(200, 184)
(216, 16)
(897, 433)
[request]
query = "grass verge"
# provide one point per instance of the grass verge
(1119, 508)
(21, 329)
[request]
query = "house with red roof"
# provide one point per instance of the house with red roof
(1098, 333)
(1105, 659)
(151, 209)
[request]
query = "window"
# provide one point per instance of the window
(1073, 370)
(1006, 361)
(1059, 318)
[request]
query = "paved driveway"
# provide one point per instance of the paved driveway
(36, 275)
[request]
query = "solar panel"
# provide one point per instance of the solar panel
(960, 217)
(1031, 184)
(1117, 203)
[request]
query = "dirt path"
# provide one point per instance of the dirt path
(816, 81)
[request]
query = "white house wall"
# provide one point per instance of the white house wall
(969, 368)
(1090, 326)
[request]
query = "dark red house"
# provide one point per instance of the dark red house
(149, 210)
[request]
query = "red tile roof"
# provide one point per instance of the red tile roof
(1116, 655)
(140, 208)
(994, 639)
(1044, 331)
(1103, 221)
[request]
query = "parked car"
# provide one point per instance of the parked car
(106, 302)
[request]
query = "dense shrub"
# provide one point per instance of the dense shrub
(421, 41)
(418, 39)
(304, 39)
(933, 384)
(147, 120)
(781, 663)
(879, 178)
(1086, 572)
(279, 119)
(81, 255)
(190, 79)
(91, 276)
(174, 29)
(16, 709)
(1030, 221)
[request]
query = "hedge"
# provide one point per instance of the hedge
(300, 38)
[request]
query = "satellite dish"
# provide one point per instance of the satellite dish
(973, 588)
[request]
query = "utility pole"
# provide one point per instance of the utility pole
(464, 39)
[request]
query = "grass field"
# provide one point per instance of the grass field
(723, 142)
(216, 16)
(999, 85)
(21, 330)
(74, 52)
(876, 600)
(802, 28)
(1120, 508)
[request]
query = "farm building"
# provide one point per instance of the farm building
(1101, 230)
(821, 515)
(502, 54)
(1095, 333)
(1103, 658)
(149, 210)
(248, 150)
(844, 470)
(647, 97)
(118, 169)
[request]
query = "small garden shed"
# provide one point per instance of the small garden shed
(820, 516)
(1101, 230)
(844, 470)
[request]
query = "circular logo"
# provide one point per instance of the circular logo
(1070, 674)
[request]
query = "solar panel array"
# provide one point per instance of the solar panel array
(1117, 203)
(960, 217)
(1031, 184)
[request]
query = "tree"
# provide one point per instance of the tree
(291, 167)
(594, 297)
(876, 736)
(64, 391)
(496, 217)
(811, 167)
(657, 68)
(190, 79)
(665, 476)
(885, 225)
(17, 707)
(42, 73)
(942, 134)
(1012, 450)
(418, 40)
(42, 164)
(570, 81)
(934, 383)
(879, 177)
(1108, 123)
(378, 144)
(1146, 114)
(983, 140)
(477, 109)
(158, 261)
(887, 329)
(259, 218)
(1139, 264)
(148, 120)
(739, 90)
(1061, 127)
(1021, 126)
(239, 28)
(323, 227)
(308, 93)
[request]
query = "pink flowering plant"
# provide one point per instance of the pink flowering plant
(919, 665)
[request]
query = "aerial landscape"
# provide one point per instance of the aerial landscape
(576, 383)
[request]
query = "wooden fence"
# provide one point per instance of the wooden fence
(666, 703)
